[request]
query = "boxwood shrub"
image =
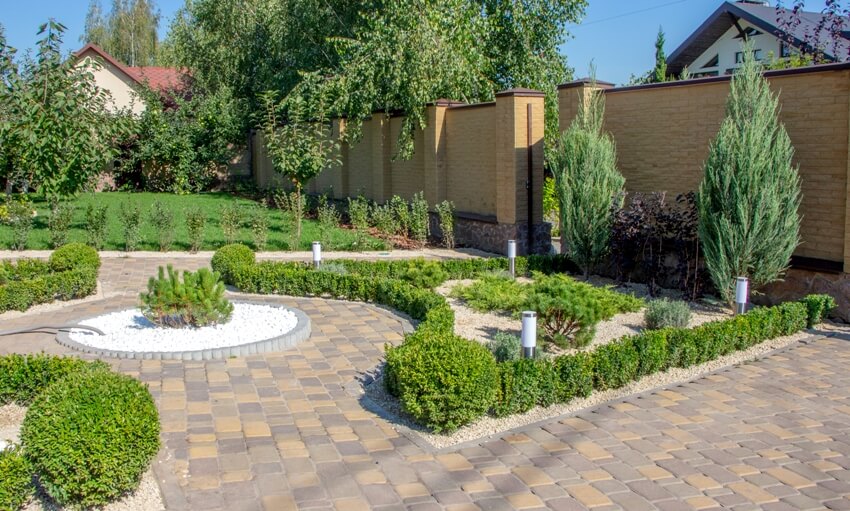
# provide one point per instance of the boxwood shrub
(90, 436)
(818, 308)
(74, 255)
(15, 479)
(229, 257)
(445, 382)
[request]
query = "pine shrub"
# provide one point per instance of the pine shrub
(198, 300)
(750, 193)
(567, 313)
(425, 274)
(588, 183)
(493, 293)
(663, 313)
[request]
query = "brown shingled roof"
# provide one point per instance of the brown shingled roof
(155, 77)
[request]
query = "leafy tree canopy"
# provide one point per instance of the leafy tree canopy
(127, 31)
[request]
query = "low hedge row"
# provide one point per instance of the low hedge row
(71, 272)
(445, 381)
(89, 434)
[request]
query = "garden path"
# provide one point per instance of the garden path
(286, 430)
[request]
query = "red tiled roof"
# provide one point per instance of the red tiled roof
(157, 78)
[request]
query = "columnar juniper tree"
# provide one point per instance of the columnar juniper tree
(588, 183)
(748, 199)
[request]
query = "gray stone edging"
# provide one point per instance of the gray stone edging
(301, 332)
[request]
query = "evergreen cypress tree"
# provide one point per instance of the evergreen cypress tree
(659, 73)
(750, 193)
(588, 183)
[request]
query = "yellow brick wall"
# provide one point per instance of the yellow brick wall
(408, 176)
(471, 158)
(663, 135)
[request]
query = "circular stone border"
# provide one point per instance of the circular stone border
(300, 332)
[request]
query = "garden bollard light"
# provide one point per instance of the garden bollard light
(529, 333)
(317, 254)
(512, 258)
(742, 286)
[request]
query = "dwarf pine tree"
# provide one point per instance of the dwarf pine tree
(588, 183)
(750, 193)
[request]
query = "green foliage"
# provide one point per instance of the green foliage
(90, 436)
(127, 31)
(181, 141)
(551, 207)
(575, 374)
(20, 215)
(505, 347)
(419, 222)
(15, 479)
(230, 220)
(96, 225)
(401, 212)
(72, 256)
(443, 381)
(130, 215)
(567, 313)
(198, 300)
(383, 218)
(195, 223)
(329, 218)
(493, 293)
(589, 185)
(659, 73)
(818, 308)
(162, 220)
(520, 386)
(23, 377)
(665, 313)
(59, 222)
(652, 351)
(446, 213)
(333, 267)
(615, 364)
(259, 222)
(358, 213)
(425, 274)
(750, 193)
(228, 258)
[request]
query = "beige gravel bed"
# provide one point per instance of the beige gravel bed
(145, 498)
(489, 427)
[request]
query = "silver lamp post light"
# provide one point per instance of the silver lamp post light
(512, 258)
(742, 291)
(317, 254)
(529, 333)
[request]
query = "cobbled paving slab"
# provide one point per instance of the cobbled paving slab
(286, 430)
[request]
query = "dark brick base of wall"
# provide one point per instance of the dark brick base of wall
(490, 236)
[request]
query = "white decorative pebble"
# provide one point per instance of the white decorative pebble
(4, 445)
(129, 330)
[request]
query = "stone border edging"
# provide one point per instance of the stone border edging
(301, 332)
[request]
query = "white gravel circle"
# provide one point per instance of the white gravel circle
(130, 331)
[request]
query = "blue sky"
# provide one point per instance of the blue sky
(616, 35)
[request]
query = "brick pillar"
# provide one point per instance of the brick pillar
(435, 152)
(569, 96)
(512, 172)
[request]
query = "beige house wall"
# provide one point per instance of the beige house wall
(663, 134)
(114, 81)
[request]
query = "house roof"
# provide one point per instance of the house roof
(767, 18)
(155, 77)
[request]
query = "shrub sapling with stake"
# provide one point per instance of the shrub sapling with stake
(162, 219)
(59, 223)
(130, 215)
(195, 222)
(259, 227)
(419, 221)
(96, 222)
(446, 212)
(230, 219)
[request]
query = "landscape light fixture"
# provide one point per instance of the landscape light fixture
(512, 258)
(742, 289)
(317, 254)
(529, 333)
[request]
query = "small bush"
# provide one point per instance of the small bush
(90, 436)
(73, 256)
(401, 212)
(383, 219)
(358, 213)
(665, 313)
(446, 213)
(162, 220)
(195, 222)
(651, 347)
(818, 308)
(230, 220)
(23, 377)
(130, 215)
(20, 218)
(230, 257)
(567, 313)
(425, 274)
(198, 300)
(59, 223)
(575, 374)
(96, 222)
(259, 222)
(329, 218)
(419, 220)
(442, 381)
(615, 364)
(493, 293)
(505, 347)
(519, 387)
(15, 480)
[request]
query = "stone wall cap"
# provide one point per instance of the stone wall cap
(521, 92)
(586, 81)
(446, 102)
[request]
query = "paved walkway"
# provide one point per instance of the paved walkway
(285, 430)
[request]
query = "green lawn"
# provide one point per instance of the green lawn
(209, 203)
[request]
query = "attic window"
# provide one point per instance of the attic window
(739, 56)
(714, 62)
(748, 32)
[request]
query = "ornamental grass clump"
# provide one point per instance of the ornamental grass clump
(750, 193)
(197, 300)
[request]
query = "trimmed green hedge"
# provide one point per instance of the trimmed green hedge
(71, 272)
(89, 434)
(433, 391)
